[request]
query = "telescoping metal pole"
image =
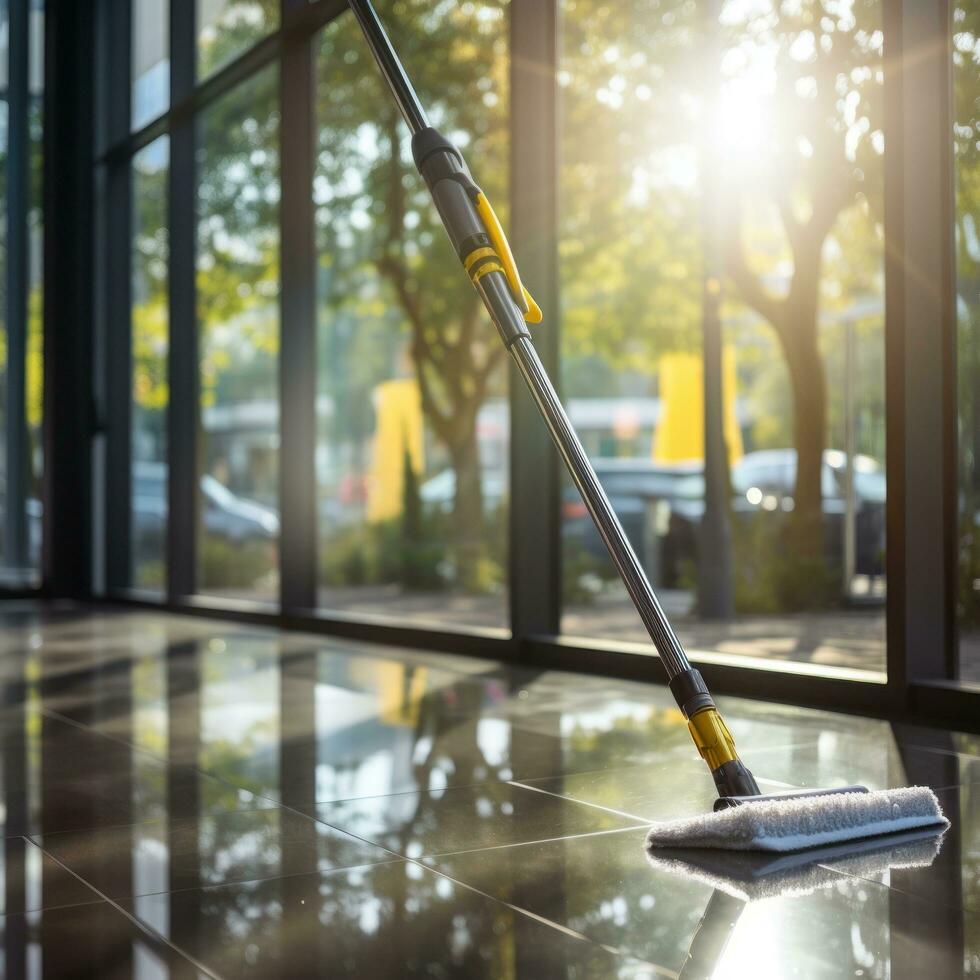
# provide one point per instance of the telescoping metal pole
(482, 247)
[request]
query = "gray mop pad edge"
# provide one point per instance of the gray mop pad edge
(758, 876)
(797, 823)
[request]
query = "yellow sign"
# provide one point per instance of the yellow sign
(398, 410)
(680, 433)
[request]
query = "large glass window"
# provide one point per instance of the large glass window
(150, 60)
(412, 415)
(966, 141)
(21, 286)
(228, 28)
(150, 339)
(730, 187)
(238, 317)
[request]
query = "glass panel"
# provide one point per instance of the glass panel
(150, 339)
(411, 411)
(20, 421)
(966, 142)
(228, 28)
(150, 60)
(4, 122)
(34, 368)
(238, 313)
(730, 183)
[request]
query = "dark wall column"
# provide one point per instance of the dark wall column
(182, 362)
(113, 305)
(535, 516)
(68, 246)
(18, 193)
(297, 329)
(920, 343)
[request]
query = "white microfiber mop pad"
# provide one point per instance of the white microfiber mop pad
(757, 875)
(795, 823)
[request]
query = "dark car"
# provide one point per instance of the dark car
(225, 515)
(658, 505)
(765, 481)
(661, 507)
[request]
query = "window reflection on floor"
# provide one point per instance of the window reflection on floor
(260, 802)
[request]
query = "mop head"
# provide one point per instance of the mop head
(756, 876)
(796, 823)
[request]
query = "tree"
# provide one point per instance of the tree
(820, 155)
(374, 210)
(629, 218)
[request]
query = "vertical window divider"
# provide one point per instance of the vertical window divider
(17, 163)
(69, 72)
(115, 312)
(920, 348)
(297, 324)
(183, 403)
(535, 514)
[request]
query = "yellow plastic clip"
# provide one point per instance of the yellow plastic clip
(530, 309)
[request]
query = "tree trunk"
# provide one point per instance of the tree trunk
(808, 380)
(467, 506)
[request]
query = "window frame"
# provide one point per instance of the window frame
(920, 354)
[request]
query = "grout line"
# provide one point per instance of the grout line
(142, 926)
(530, 843)
(234, 882)
(571, 799)
(560, 927)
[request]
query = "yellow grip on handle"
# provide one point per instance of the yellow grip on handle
(530, 309)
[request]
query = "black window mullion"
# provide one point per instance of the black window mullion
(115, 310)
(535, 565)
(297, 330)
(183, 404)
(920, 345)
(69, 39)
(18, 190)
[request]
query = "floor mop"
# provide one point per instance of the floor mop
(740, 879)
(743, 817)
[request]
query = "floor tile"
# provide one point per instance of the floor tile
(603, 887)
(63, 777)
(160, 856)
(953, 879)
(664, 791)
(394, 920)
(490, 815)
(95, 940)
(839, 760)
(32, 880)
(149, 753)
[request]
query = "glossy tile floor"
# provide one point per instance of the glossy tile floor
(185, 797)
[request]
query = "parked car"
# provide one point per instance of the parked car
(672, 497)
(765, 481)
(658, 505)
(661, 506)
(225, 514)
(440, 490)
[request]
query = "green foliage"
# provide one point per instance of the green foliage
(227, 565)
(968, 599)
(966, 141)
(233, 27)
(584, 575)
(770, 577)
(420, 554)
(629, 235)
(380, 554)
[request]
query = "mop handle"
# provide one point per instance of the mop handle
(486, 256)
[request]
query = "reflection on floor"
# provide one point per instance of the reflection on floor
(190, 797)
